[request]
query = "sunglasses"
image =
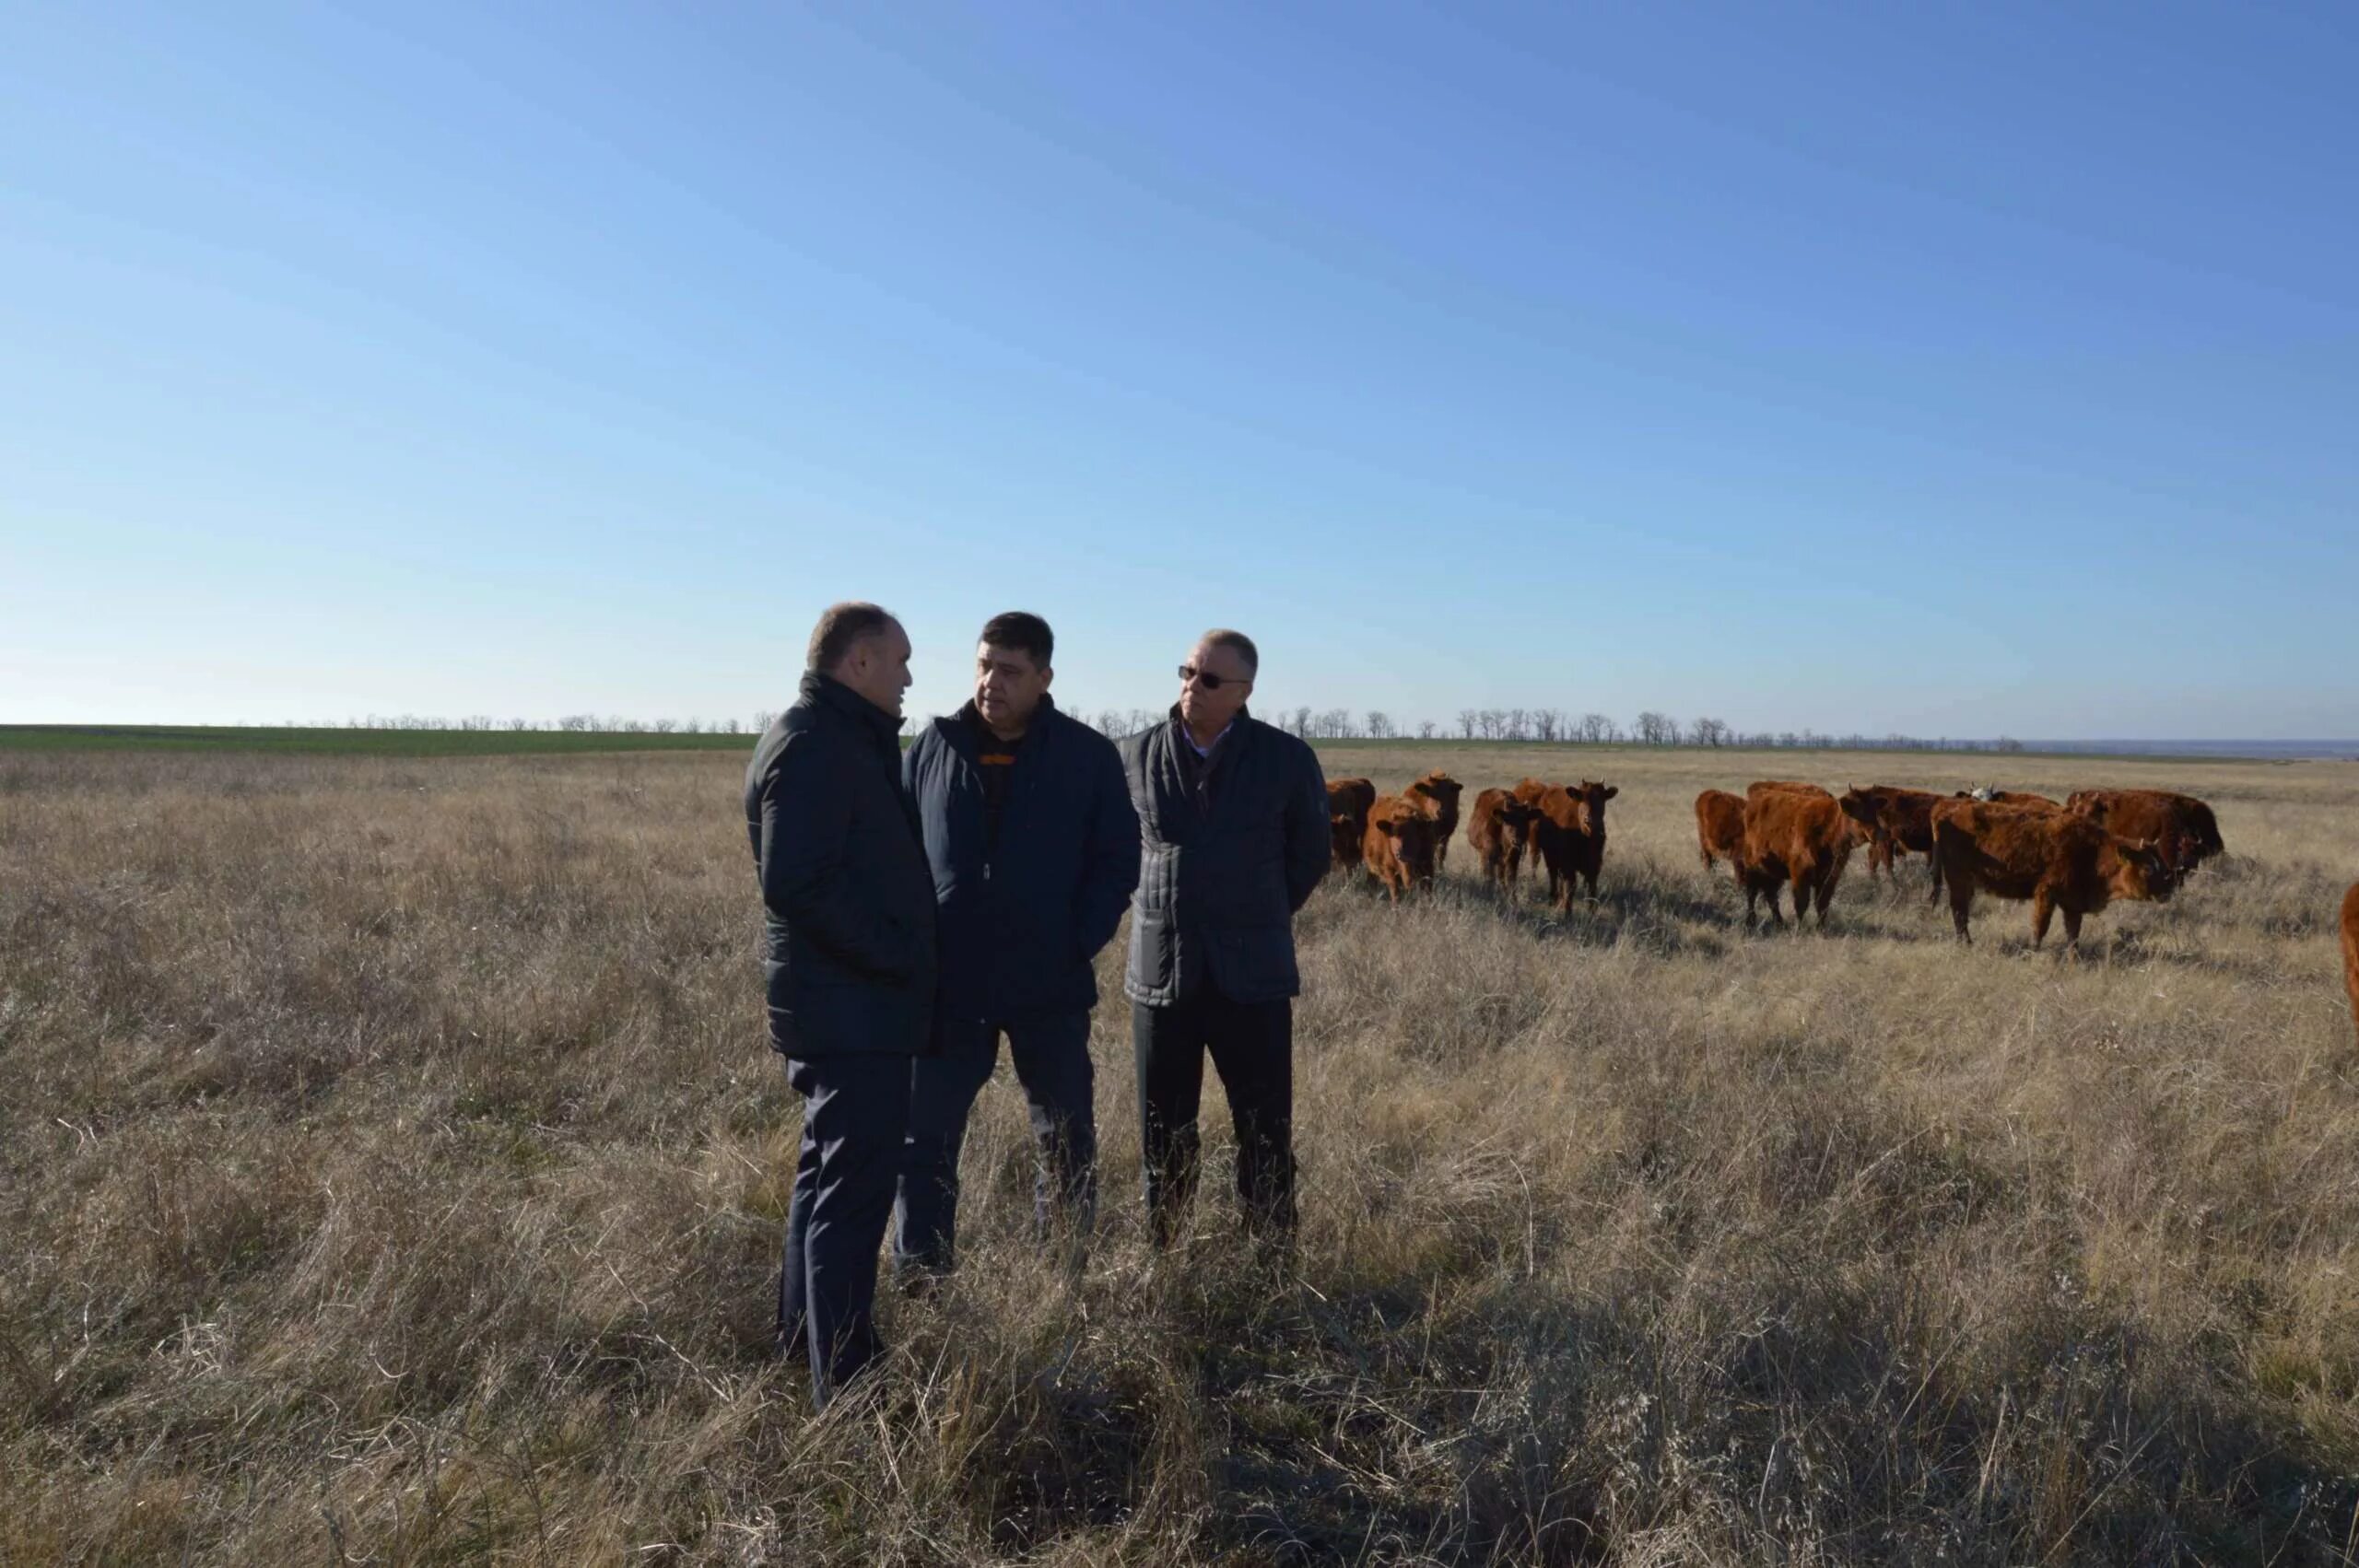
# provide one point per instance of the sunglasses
(1211, 682)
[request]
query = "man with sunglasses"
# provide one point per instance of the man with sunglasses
(1234, 830)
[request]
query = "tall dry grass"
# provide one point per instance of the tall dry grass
(391, 1170)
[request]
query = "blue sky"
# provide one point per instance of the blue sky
(1949, 370)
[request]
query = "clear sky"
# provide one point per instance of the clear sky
(1957, 369)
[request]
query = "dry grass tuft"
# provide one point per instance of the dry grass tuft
(392, 1169)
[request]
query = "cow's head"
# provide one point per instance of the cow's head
(1593, 796)
(1862, 806)
(2142, 871)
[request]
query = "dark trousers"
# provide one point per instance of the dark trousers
(1051, 1052)
(1252, 1049)
(855, 1114)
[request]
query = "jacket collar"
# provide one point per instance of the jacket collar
(826, 691)
(964, 729)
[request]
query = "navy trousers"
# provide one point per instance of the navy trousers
(1050, 1053)
(1252, 1045)
(855, 1116)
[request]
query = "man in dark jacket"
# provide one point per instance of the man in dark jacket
(1234, 817)
(849, 952)
(1035, 850)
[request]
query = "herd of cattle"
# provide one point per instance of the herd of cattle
(2071, 857)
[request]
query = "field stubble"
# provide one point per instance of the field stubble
(392, 1167)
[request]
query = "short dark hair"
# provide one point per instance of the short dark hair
(1237, 643)
(841, 627)
(1024, 632)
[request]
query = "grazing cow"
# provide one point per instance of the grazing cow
(2056, 859)
(1572, 837)
(1348, 801)
(2351, 948)
(2182, 825)
(1496, 828)
(1720, 830)
(1805, 840)
(1442, 791)
(1400, 844)
(1899, 822)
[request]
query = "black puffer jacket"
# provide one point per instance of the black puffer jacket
(1021, 922)
(849, 946)
(1218, 887)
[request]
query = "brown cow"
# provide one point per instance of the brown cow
(2056, 859)
(2182, 825)
(1899, 822)
(2351, 948)
(1572, 837)
(1442, 791)
(1805, 840)
(1348, 801)
(1400, 844)
(1497, 830)
(1720, 830)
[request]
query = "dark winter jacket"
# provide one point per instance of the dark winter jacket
(1231, 849)
(849, 944)
(1021, 919)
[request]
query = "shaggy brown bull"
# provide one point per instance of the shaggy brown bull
(2181, 826)
(1797, 838)
(1399, 847)
(1497, 828)
(1572, 837)
(2058, 860)
(1348, 801)
(1442, 792)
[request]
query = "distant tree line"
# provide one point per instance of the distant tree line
(1544, 726)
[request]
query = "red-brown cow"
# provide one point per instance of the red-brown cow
(1529, 791)
(1348, 801)
(1899, 822)
(2182, 826)
(2350, 949)
(1572, 837)
(2058, 860)
(1497, 830)
(1720, 830)
(1799, 838)
(1442, 791)
(1400, 844)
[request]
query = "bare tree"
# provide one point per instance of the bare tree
(665, 726)
(1467, 720)
(1657, 728)
(1378, 725)
(1424, 729)
(729, 727)
(1547, 723)
(1597, 729)
(1708, 732)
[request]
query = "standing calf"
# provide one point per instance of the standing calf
(1440, 792)
(1497, 830)
(1400, 844)
(1572, 837)
(1348, 803)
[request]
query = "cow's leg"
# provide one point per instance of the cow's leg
(2043, 906)
(1935, 856)
(2072, 930)
(1961, 901)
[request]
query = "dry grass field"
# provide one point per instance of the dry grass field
(391, 1170)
